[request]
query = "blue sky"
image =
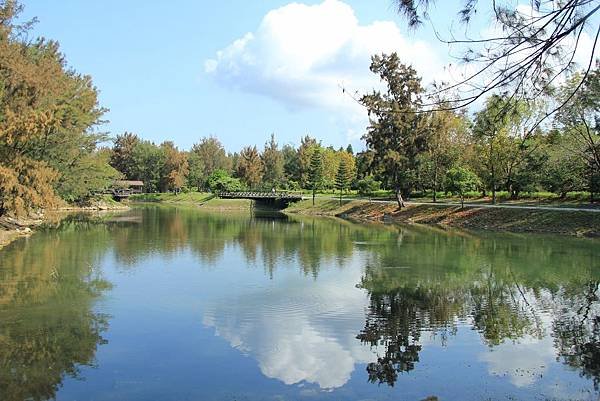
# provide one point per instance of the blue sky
(157, 66)
(148, 60)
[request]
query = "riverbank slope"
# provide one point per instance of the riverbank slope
(510, 219)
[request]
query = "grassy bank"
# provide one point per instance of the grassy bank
(203, 200)
(577, 223)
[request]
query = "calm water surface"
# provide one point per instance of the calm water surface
(173, 304)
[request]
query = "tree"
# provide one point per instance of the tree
(367, 186)
(122, 154)
(47, 125)
(205, 157)
(305, 151)
(331, 161)
(343, 177)
(272, 159)
(580, 120)
(148, 164)
(291, 166)
(527, 53)
(89, 175)
(502, 140)
(221, 181)
(460, 181)
(175, 167)
(565, 170)
(396, 133)
(315, 172)
(446, 141)
(250, 166)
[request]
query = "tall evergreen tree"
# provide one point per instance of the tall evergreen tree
(396, 134)
(175, 168)
(291, 166)
(315, 172)
(343, 177)
(250, 167)
(272, 159)
(305, 151)
(122, 154)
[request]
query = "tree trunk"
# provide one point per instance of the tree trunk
(314, 196)
(435, 186)
(340, 197)
(399, 198)
(462, 201)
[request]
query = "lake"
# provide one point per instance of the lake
(170, 303)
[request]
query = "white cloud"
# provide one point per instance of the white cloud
(302, 55)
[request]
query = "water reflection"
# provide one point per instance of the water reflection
(323, 304)
(48, 329)
(505, 288)
(297, 333)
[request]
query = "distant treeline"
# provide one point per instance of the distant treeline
(49, 140)
(499, 148)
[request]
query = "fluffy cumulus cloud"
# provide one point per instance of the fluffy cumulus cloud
(303, 55)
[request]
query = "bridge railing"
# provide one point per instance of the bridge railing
(261, 194)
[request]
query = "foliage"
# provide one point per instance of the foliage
(446, 143)
(204, 158)
(273, 162)
(502, 150)
(221, 181)
(291, 165)
(175, 167)
(526, 52)
(315, 172)
(250, 167)
(305, 151)
(122, 157)
(579, 118)
(564, 171)
(344, 175)
(461, 180)
(89, 175)
(396, 134)
(368, 186)
(46, 127)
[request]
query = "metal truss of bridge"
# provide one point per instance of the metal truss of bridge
(269, 197)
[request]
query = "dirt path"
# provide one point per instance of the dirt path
(476, 205)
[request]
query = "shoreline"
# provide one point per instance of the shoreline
(12, 228)
(578, 223)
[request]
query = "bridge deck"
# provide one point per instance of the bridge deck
(261, 195)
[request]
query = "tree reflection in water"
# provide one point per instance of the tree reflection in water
(418, 279)
(577, 333)
(49, 328)
(433, 287)
(419, 282)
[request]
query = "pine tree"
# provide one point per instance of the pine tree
(250, 166)
(315, 172)
(343, 177)
(272, 159)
